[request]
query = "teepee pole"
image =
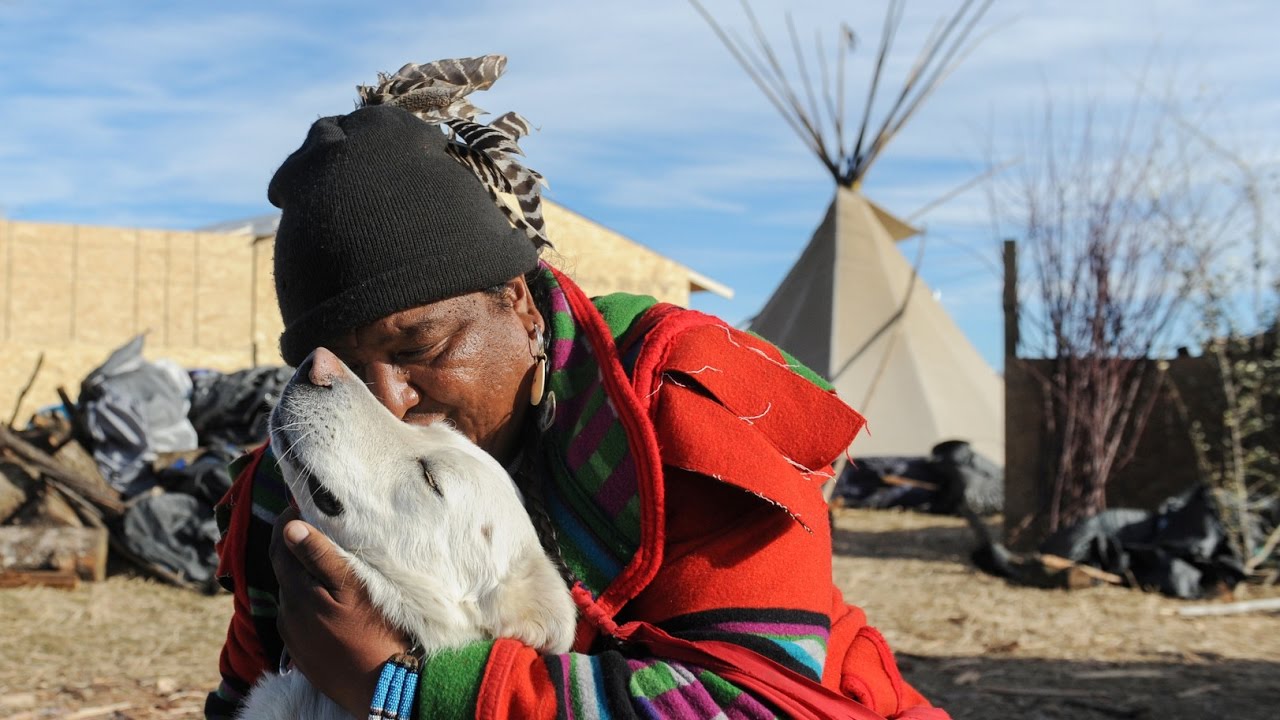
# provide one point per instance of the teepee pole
(947, 45)
(886, 42)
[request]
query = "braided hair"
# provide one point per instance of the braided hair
(531, 472)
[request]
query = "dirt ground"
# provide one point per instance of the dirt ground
(130, 648)
(982, 648)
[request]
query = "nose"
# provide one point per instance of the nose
(321, 368)
(392, 387)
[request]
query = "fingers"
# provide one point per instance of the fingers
(277, 531)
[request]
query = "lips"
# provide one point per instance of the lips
(325, 501)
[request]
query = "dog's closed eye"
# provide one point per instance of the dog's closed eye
(430, 478)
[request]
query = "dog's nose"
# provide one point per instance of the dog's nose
(321, 368)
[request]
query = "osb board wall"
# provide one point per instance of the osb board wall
(267, 323)
(77, 292)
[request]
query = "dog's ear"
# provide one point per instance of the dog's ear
(533, 605)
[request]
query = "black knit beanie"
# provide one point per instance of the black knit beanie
(376, 218)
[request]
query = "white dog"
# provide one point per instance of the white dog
(431, 524)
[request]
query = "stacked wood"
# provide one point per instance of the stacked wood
(90, 487)
(32, 553)
(47, 507)
(54, 510)
(16, 485)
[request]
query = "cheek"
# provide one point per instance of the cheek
(504, 364)
(482, 379)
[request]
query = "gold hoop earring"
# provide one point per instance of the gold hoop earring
(539, 389)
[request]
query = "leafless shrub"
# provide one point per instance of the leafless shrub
(1119, 226)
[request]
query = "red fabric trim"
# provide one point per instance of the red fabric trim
(846, 621)
(868, 668)
(886, 660)
(856, 688)
(644, 447)
(496, 671)
(653, 355)
(647, 321)
(517, 678)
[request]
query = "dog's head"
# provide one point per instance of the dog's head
(432, 524)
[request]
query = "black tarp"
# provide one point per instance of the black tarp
(1180, 550)
(175, 531)
(952, 474)
(232, 408)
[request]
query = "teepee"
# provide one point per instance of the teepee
(852, 307)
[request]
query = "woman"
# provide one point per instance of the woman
(671, 464)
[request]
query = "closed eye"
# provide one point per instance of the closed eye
(422, 352)
(412, 354)
(429, 477)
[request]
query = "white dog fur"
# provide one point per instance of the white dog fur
(431, 524)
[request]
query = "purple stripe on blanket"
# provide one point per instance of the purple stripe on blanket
(688, 701)
(559, 303)
(570, 409)
(745, 707)
(566, 691)
(619, 488)
(589, 439)
(766, 628)
(561, 353)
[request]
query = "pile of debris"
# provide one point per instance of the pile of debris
(1180, 550)
(133, 466)
(953, 479)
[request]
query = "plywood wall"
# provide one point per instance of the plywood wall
(75, 293)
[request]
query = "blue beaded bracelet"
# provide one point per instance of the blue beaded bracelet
(396, 690)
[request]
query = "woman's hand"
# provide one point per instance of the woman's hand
(334, 634)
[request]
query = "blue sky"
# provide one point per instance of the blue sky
(164, 114)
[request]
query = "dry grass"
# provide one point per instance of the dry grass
(126, 640)
(976, 645)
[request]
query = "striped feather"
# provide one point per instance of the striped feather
(497, 150)
(475, 73)
(516, 221)
(422, 99)
(531, 208)
(484, 138)
(501, 174)
(467, 74)
(436, 91)
(512, 124)
(481, 165)
(492, 155)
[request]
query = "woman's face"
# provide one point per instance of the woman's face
(467, 359)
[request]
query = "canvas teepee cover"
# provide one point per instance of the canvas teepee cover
(844, 311)
(850, 308)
